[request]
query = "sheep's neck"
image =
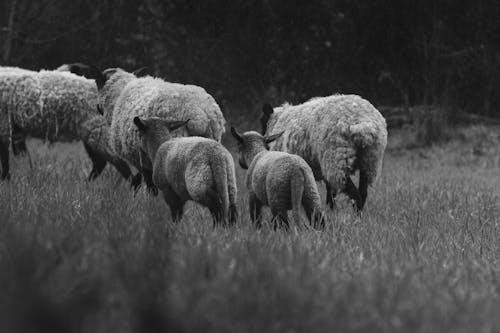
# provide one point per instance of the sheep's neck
(153, 147)
(254, 152)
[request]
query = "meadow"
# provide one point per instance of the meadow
(92, 257)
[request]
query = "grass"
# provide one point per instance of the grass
(91, 257)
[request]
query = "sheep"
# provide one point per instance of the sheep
(277, 179)
(54, 106)
(189, 168)
(122, 96)
(336, 135)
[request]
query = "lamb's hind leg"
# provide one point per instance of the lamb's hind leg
(213, 202)
(282, 219)
(314, 214)
(255, 210)
(175, 204)
(4, 157)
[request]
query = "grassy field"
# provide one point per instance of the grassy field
(91, 257)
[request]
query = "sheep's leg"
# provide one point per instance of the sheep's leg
(233, 214)
(19, 146)
(136, 182)
(353, 193)
(282, 218)
(175, 204)
(315, 216)
(4, 157)
(18, 143)
(330, 196)
(214, 204)
(98, 162)
(255, 210)
(123, 168)
(148, 179)
(363, 187)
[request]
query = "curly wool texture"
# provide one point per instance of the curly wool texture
(336, 135)
(125, 96)
(191, 166)
(54, 106)
(278, 179)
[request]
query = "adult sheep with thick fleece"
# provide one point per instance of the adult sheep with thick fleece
(124, 96)
(54, 106)
(336, 135)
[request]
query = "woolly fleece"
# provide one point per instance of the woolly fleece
(277, 179)
(336, 135)
(270, 177)
(54, 106)
(125, 96)
(191, 166)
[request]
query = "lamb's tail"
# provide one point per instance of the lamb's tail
(297, 191)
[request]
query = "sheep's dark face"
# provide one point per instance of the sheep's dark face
(155, 131)
(267, 111)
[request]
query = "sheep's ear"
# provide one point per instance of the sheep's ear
(92, 72)
(267, 109)
(107, 73)
(271, 138)
(236, 135)
(77, 68)
(140, 71)
(141, 124)
(173, 125)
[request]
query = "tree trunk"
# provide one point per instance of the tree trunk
(10, 33)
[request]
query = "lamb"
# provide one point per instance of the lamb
(276, 179)
(54, 106)
(189, 168)
(122, 96)
(336, 135)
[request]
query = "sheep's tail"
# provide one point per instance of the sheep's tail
(297, 183)
(370, 139)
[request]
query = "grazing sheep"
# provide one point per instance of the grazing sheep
(53, 106)
(336, 135)
(277, 179)
(123, 96)
(189, 168)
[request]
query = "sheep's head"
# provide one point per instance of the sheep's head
(267, 111)
(87, 71)
(250, 144)
(154, 131)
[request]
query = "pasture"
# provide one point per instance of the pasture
(90, 257)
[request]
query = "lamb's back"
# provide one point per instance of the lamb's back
(178, 157)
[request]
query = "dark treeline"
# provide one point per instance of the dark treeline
(393, 52)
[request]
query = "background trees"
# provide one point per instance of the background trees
(243, 51)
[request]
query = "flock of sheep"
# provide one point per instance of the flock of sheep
(171, 134)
